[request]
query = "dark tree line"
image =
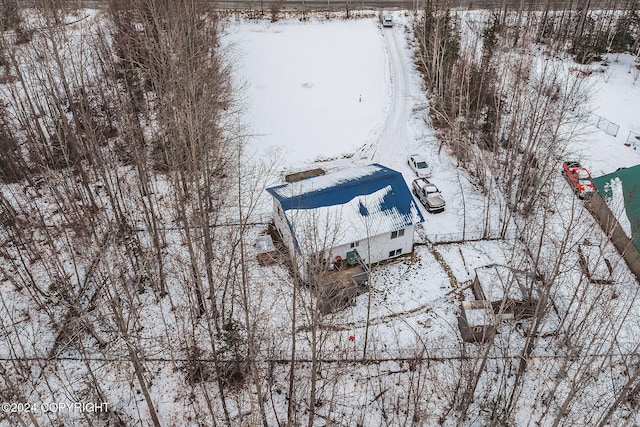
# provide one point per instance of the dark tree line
(117, 145)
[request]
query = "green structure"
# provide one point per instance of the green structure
(630, 180)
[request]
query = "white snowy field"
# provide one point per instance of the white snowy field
(314, 90)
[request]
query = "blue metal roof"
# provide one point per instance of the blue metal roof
(339, 188)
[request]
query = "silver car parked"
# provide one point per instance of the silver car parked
(428, 194)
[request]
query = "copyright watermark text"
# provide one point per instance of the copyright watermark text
(23, 408)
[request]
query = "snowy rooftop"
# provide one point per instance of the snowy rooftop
(501, 283)
(348, 205)
(478, 313)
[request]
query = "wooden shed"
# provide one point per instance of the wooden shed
(477, 321)
(512, 293)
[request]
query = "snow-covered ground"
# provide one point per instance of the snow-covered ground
(616, 98)
(334, 94)
(314, 91)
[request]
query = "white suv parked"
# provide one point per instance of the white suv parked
(419, 165)
(386, 20)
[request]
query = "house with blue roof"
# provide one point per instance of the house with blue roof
(366, 212)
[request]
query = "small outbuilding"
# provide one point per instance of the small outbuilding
(512, 293)
(477, 321)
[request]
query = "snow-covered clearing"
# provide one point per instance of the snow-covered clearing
(306, 99)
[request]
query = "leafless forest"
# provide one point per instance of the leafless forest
(126, 212)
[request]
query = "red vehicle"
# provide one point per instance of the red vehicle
(579, 178)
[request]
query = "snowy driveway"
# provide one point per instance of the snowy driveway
(395, 138)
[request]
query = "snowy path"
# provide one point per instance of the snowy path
(395, 137)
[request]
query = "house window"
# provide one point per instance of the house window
(399, 233)
(395, 253)
(355, 244)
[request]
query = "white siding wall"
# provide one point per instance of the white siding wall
(371, 250)
(378, 247)
(381, 245)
